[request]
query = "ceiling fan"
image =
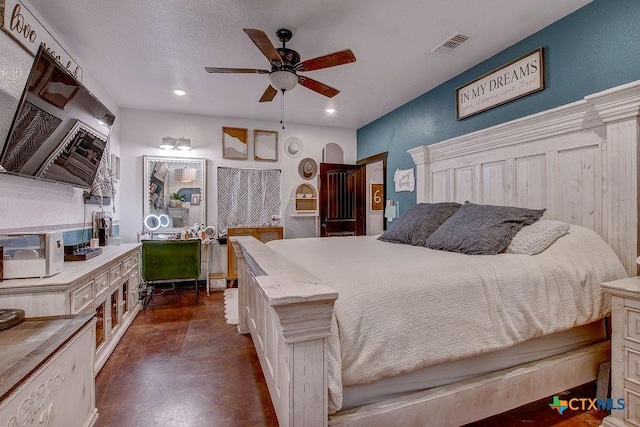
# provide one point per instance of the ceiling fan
(285, 65)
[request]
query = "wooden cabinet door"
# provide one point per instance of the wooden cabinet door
(342, 200)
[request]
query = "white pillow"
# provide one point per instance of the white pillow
(535, 238)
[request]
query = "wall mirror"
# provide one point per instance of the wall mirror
(175, 187)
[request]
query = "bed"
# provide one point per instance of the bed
(579, 161)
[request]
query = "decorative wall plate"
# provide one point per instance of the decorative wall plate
(308, 168)
(293, 147)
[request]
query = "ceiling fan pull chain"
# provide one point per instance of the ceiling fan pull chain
(282, 110)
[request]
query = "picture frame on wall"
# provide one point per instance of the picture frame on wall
(235, 143)
(40, 69)
(59, 89)
(377, 197)
(518, 78)
(265, 145)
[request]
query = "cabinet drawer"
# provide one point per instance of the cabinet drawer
(632, 403)
(102, 283)
(632, 323)
(134, 277)
(632, 367)
(126, 265)
(135, 259)
(82, 297)
(115, 273)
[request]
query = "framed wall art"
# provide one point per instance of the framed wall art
(40, 68)
(59, 89)
(265, 145)
(520, 77)
(377, 197)
(234, 143)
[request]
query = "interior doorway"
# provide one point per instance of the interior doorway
(342, 196)
(352, 197)
(376, 193)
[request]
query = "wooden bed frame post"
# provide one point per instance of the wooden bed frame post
(619, 109)
(288, 315)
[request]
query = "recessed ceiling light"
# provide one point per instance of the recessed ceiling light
(330, 110)
(179, 92)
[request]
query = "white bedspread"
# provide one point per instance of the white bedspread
(401, 308)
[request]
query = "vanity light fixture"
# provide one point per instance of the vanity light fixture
(167, 143)
(182, 144)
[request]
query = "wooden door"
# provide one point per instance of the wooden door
(342, 200)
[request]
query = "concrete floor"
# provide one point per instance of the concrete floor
(184, 366)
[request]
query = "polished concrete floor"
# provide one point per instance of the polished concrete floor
(181, 365)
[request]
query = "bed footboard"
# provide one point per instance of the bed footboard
(288, 313)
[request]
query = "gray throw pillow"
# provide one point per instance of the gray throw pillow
(482, 229)
(416, 225)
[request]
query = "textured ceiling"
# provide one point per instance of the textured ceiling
(140, 51)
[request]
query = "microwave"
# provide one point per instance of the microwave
(31, 255)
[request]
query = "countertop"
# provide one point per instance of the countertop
(27, 346)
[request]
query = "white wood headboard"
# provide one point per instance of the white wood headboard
(580, 161)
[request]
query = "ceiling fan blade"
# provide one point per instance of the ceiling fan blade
(316, 86)
(264, 44)
(235, 70)
(269, 94)
(326, 61)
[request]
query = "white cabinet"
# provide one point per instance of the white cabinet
(106, 285)
(304, 200)
(47, 373)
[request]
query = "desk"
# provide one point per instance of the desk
(264, 234)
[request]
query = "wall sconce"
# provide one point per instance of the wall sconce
(392, 210)
(182, 144)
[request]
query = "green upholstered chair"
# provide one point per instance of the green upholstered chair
(170, 261)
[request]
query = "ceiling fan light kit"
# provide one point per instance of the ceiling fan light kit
(283, 80)
(285, 65)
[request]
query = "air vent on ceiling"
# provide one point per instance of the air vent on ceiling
(451, 43)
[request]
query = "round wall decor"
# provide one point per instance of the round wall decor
(308, 168)
(293, 147)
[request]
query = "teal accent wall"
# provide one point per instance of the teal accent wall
(595, 48)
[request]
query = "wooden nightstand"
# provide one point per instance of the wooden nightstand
(625, 351)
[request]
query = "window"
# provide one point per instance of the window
(247, 196)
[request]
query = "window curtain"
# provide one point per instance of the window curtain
(247, 196)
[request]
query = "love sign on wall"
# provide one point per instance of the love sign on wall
(19, 23)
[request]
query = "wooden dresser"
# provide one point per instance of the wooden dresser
(264, 234)
(46, 372)
(105, 286)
